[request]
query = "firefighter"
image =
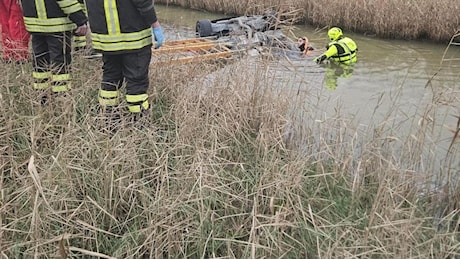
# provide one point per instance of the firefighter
(15, 38)
(340, 49)
(122, 30)
(51, 23)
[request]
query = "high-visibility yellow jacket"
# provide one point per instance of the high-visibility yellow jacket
(343, 51)
(52, 16)
(83, 5)
(121, 25)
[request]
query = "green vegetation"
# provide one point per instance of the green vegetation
(217, 174)
(414, 19)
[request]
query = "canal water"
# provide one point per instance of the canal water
(405, 83)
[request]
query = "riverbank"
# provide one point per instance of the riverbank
(226, 170)
(433, 20)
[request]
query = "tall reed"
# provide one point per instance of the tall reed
(233, 166)
(427, 19)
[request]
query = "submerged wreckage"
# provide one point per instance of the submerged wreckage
(221, 38)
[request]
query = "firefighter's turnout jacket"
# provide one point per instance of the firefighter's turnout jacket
(52, 16)
(122, 30)
(121, 25)
(51, 23)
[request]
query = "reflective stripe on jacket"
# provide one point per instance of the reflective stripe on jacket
(83, 6)
(121, 25)
(343, 51)
(51, 16)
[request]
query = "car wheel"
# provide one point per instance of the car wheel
(203, 28)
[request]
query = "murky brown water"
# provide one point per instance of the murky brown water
(390, 75)
(383, 64)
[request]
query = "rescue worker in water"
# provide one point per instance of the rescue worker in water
(340, 49)
(342, 52)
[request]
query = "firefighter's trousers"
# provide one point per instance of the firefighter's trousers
(131, 68)
(52, 59)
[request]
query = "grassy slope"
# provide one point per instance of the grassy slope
(215, 176)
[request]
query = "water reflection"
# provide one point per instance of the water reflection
(334, 71)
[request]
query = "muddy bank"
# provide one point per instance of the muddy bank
(430, 20)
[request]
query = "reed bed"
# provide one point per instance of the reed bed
(226, 170)
(414, 19)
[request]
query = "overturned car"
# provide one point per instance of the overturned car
(249, 31)
(221, 38)
(226, 26)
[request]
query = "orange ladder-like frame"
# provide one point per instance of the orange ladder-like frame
(190, 50)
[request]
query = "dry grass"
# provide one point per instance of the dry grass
(414, 19)
(216, 175)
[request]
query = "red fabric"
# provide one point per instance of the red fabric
(15, 38)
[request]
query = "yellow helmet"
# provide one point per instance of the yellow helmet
(334, 33)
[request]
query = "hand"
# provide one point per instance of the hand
(320, 59)
(81, 30)
(157, 33)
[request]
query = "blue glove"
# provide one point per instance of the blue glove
(157, 33)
